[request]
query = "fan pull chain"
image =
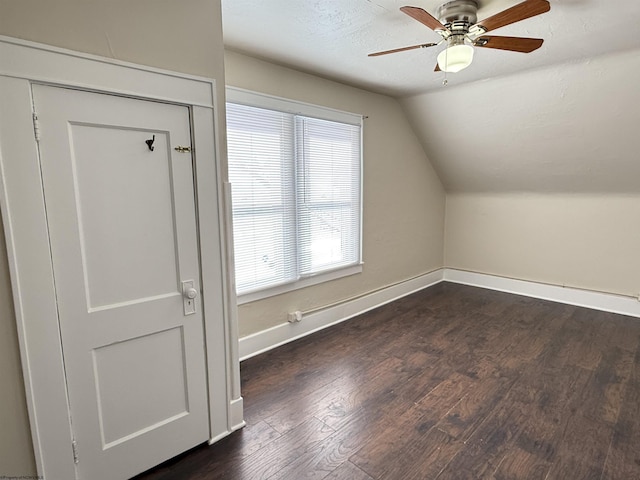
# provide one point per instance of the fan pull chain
(445, 82)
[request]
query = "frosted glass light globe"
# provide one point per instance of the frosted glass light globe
(455, 58)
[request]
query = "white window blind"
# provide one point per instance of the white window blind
(295, 194)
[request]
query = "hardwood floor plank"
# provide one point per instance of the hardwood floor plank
(521, 464)
(348, 471)
(610, 379)
(623, 460)
(414, 436)
(526, 418)
(450, 383)
(462, 420)
(229, 451)
(385, 376)
(363, 425)
(582, 450)
(430, 454)
(338, 396)
(626, 332)
(277, 454)
(551, 398)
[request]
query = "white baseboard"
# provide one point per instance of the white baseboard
(236, 421)
(265, 340)
(571, 296)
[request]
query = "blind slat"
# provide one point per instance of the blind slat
(295, 194)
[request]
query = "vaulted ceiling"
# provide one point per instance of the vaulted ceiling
(559, 119)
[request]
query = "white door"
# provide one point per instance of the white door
(123, 236)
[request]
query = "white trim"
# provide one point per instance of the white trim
(271, 102)
(31, 271)
(221, 368)
(302, 283)
(228, 262)
(59, 66)
(265, 340)
(236, 418)
(571, 296)
(238, 96)
(23, 63)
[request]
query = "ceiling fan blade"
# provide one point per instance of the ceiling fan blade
(526, 9)
(514, 44)
(437, 69)
(423, 17)
(424, 45)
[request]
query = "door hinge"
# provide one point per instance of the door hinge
(74, 447)
(36, 127)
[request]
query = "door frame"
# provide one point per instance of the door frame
(23, 63)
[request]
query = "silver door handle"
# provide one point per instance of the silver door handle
(191, 293)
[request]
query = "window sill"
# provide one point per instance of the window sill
(302, 283)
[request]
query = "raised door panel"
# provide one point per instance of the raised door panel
(123, 236)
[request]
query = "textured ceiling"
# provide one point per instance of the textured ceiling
(561, 119)
(332, 38)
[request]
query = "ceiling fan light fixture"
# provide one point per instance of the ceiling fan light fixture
(455, 58)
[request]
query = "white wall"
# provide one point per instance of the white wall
(403, 197)
(183, 36)
(584, 241)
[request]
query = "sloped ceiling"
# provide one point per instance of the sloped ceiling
(560, 119)
(573, 128)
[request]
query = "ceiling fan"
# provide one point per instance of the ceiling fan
(458, 26)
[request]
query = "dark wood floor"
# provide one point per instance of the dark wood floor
(453, 382)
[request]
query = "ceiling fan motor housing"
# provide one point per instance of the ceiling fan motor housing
(464, 11)
(457, 24)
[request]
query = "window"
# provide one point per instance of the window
(295, 172)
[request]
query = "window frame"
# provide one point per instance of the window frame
(254, 99)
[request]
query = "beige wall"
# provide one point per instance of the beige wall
(16, 452)
(582, 241)
(183, 36)
(403, 197)
(558, 129)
